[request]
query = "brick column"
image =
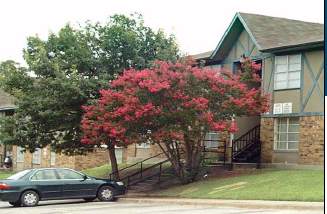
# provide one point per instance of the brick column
(267, 139)
(312, 145)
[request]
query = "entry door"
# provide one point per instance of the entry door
(47, 183)
(74, 184)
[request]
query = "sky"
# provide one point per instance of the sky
(197, 25)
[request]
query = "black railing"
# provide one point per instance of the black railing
(218, 151)
(141, 173)
(248, 145)
(138, 176)
(135, 164)
(130, 180)
(246, 139)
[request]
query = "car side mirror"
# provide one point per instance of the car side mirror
(85, 177)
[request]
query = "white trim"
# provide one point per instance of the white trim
(52, 158)
(37, 159)
(287, 72)
(146, 145)
(20, 154)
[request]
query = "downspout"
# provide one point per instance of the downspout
(232, 134)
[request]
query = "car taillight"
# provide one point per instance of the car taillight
(4, 186)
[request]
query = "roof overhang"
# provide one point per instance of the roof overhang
(299, 47)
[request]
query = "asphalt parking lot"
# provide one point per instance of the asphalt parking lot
(79, 206)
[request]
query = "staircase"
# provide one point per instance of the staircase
(247, 149)
(150, 182)
(145, 178)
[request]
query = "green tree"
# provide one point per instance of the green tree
(174, 106)
(70, 68)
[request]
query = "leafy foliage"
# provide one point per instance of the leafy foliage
(70, 69)
(174, 105)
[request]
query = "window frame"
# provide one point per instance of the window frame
(59, 178)
(210, 141)
(40, 170)
(146, 145)
(52, 158)
(287, 72)
(278, 134)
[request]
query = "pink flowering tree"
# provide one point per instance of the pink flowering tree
(173, 106)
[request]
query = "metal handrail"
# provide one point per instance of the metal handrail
(140, 162)
(146, 169)
(218, 152)
(143, 170)
(153, 175)
(141, 173)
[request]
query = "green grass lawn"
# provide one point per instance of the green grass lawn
(102, 171)
(4, 176)
(277, 185)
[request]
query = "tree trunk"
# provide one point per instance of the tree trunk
(113, 160)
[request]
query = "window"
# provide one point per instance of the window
(211, 140)
(288, 72)
(46, 174)
(287, 133)
(217, 67)
(69, 174)
(37, 156)
(53, 158)
(20, 154)
(144, 145)
(19, 175)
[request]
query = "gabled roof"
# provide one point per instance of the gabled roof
(6, 101)
(204, 55)
(270, 33)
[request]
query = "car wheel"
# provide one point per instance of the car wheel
(16, 203)
(29, 199)
(89, 199)
(106, 193)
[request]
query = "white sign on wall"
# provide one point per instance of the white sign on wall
(282, 108)
(278, 108)
(287, 108)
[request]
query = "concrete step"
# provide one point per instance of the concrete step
(148, 184)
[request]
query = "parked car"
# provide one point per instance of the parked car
(30, 186)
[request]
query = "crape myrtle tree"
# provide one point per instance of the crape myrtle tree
(173, 105)
(70, 68)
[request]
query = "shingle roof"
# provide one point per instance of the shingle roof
(272, 32)
(6, 101)
(204, 55)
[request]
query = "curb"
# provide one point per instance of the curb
(251, 204)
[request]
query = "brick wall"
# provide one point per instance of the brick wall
(65, 161)
(130, 151)
(97, 158)
(267, 139)
(155, 149)
(2, 150)
(312, 145)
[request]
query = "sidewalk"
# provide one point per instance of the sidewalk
(251, 204)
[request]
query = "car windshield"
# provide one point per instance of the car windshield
(18, 175)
